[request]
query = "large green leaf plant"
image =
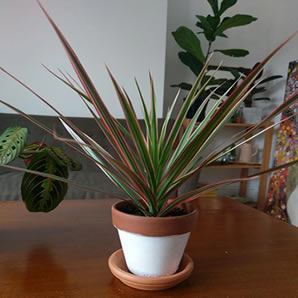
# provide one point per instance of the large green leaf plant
(151, 169)
(212, 27)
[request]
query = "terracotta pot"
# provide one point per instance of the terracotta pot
(153, 246)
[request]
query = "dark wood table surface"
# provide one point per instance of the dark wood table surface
(237, 251)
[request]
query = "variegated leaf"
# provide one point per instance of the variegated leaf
(12, 143)
(63, 159)
(43, 194)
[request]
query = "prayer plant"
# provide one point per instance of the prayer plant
(38, 193)
(159, 162)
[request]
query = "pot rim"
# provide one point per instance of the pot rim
(154, 226)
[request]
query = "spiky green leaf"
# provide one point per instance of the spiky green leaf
(115, 136)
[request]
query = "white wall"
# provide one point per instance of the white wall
(129, 36)
(276, 21)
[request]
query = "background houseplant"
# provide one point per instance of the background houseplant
(253, 114)
(248, 102)
(153, 168)
(38, 193)
(210, 28)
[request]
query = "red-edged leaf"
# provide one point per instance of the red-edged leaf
(190, 196)
(114, 134)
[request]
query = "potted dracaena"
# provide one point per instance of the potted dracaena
(156, 165)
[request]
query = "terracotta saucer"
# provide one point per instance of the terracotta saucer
(119, 269)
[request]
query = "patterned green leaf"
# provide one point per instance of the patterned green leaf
(42, 194)
(64, 160)
(12, 143)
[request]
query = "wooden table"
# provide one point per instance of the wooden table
(238, 252)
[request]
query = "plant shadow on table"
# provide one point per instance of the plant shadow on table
(32, 278)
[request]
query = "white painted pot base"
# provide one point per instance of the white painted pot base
(153, 256)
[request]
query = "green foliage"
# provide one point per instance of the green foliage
(12, 142)
(234, 21)
(184, 86)
(39, 193)
(226, 4)
(212, 27)
(260, 89)
(42, 194)
(188, 41)
(62, 159)
(214, 6)
(194, 64)
(153, 164)
(233, 52)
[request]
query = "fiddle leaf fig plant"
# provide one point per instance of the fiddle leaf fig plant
(154, 163)
(211, 27)
(38, 193)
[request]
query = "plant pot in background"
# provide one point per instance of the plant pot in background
(153, 246)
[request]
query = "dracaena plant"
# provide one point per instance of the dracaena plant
(156, 165)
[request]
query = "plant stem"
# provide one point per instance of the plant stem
(208, 50)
